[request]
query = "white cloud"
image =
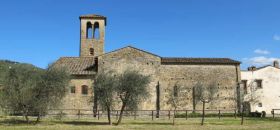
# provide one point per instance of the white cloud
(264, 52)
(276, 37)
(260, 61)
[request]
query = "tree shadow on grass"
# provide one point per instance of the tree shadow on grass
(15, 122)
(263, 119)
(149, 123)
(214, 123)
(83, 123)
(24, 122)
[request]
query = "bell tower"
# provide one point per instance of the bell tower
(92, 35)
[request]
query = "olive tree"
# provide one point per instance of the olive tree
(176, 98)
(17, 92)
(30, 91)
(50, 92)
(205, 94)
(104, 90)
(132, 88)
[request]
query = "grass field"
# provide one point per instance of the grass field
(142, 124)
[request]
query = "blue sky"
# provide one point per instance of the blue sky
(41, 31)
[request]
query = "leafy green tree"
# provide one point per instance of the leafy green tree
(132, 88)
(104, 89)
(30, 91)
(16, 94)
(50, 90)
(205, 94)
(5, 65)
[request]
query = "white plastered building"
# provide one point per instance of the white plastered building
(261, 88)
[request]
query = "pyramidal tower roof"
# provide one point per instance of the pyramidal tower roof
(92, 16)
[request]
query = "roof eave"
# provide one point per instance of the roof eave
(95, 17)
(192, 63)
(83, 74)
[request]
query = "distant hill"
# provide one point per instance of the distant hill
(5, 65)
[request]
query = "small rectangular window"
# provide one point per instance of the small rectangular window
(259, 84)
(73, 89)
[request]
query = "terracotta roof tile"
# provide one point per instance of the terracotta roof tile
(174, 60)
(92, 16)
(77, 65)
(95, 16)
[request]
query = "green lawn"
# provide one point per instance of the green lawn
(142, 124)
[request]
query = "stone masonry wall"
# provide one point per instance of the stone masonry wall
(130, 58)
(78, 100)
(224, 76)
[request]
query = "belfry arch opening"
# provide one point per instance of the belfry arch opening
(89, 31)
(96, 31)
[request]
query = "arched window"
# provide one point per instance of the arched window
(85, 90)
(89, 31)
(91, 51)
(96, 31)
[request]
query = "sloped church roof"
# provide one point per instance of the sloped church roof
(176, 60)
(86, 65)
(77, 65)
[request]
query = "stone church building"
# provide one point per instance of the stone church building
(165, 72)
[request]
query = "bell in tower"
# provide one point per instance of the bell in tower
(92, 35)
